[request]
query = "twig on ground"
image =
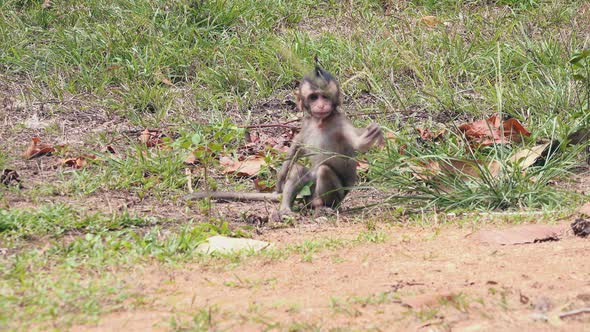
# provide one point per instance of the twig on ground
(277, 125)
(575, 312)
(354, 115)
(274, 125)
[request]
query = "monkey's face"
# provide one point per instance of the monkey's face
(319, 102)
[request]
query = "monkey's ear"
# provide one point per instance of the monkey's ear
(299, 101)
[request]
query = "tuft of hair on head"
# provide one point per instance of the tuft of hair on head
(323, 75)
(319, 78)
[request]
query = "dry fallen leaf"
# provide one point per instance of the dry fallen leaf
(514, 130)
(427, 135)
(190, 160)
(425, 170)
(262, 186)
(37, 149)
(430, 21)
(522, 234)
(470, 168)
(247, 167)
(462, 168)
(493, 131)
(198, 155)
(362, 166)
(494, 168)
(527, 157)
(252, 137)
(77, 163)
(261, 142)
(483, 132)
(152, 137)
(164, 79)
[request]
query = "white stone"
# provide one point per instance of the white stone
(225, 245)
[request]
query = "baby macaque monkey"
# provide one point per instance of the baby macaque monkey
(328, 138)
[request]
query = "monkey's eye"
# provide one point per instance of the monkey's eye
(314, 97)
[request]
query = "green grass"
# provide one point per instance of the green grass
(237, 52)
(146, 172)
(157, 172)
(59, 263)
(58, 220)
(3, 161)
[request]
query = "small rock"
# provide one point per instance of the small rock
(539, 316)
(581, 227)
(9, 177)
(224, 245)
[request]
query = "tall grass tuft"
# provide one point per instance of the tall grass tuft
(452, 175)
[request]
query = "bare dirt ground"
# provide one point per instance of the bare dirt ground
(368, 286)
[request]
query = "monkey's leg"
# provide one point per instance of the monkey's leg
(329, 189)
(297, 178)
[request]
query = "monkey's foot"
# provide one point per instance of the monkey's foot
(282, 215)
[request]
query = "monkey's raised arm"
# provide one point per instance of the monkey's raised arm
(362, 139)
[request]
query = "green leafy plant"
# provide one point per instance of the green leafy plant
(208, 141)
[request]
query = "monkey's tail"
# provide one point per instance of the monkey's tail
(235, 196)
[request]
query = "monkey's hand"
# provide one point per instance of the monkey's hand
(370, 136)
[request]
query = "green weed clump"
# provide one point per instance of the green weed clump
(452, 175)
